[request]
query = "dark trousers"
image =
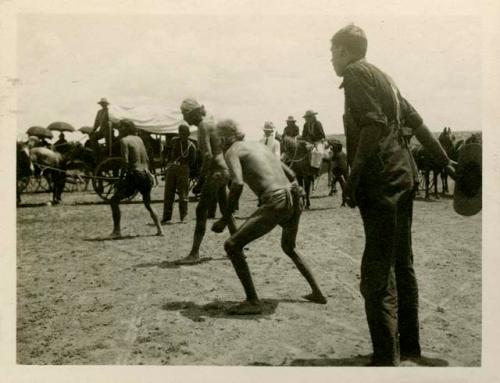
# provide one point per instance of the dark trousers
(176, 179)
(58, 183)
(388, 282)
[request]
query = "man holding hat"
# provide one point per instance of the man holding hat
(313, 130)
(213, 168)
(102, 126)
(382, 184)
(270, 140)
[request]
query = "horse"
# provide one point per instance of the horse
(337, 167)
(24, 169)
(297, 155)
(426, 164)
(49, 163)
(447, 141)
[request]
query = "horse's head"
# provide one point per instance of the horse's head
(475, 138)
(24, 163)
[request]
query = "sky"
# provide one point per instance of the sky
(252, 68)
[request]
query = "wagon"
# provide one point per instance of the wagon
(156, 132)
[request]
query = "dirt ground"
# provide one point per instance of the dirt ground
(86, 300)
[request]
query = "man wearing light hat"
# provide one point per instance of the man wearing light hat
(270, 140)
(102, 126)
(214, 169)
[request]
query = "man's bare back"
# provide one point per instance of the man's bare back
(259, 168)
(134, 153)
(254, 164)
(210, 147)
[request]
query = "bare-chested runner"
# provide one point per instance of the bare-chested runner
(135, 176)
(280, 204)
(216, 174)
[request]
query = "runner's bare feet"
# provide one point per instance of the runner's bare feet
(316, 298)
(115, 235)
(159, 233)
(245, 308)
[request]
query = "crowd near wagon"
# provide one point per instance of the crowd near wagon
(94, 164)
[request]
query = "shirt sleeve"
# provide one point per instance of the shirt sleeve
(321, 132)
(361, 96)
(409, 114)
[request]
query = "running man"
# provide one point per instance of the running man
(215, 171)
(135, 176)
(280, 204)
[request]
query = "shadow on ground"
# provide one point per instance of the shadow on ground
(122, 238)
(320, 208)
(432, 198)
(218, 309)
(364, 360)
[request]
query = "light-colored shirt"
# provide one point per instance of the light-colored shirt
(273, 145)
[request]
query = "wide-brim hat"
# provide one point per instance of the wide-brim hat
(290, 119)
(467, 196)
(309, 113)
(103, 101)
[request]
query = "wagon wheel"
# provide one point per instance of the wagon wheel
(22, 184)
(106, 175)
(31, 184)
(78, 175)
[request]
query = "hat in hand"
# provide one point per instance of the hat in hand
(467, 196)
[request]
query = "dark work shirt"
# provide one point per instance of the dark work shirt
(371, 99)
(183, 153)
(313, 131)
(102, 120)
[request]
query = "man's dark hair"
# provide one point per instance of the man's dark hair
(183, 128)
(353, 38)
(128, 127)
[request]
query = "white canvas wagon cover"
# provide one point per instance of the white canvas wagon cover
(152, 119)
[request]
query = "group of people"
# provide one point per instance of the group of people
(381, 183)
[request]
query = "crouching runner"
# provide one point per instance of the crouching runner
(280, 204)
(135, 176)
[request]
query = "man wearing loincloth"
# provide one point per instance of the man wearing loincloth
(215, 171)
(280, 204)
(135, 176)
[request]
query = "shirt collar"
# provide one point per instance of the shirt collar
(362, 60)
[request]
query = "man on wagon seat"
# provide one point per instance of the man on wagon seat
(102, 127)
(213, 168)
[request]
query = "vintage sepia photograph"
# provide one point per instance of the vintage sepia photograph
(248, 189)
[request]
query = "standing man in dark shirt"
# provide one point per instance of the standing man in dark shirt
(313, 130)
(382, 184)
(102, 126)
(291, 128)
(182, 156)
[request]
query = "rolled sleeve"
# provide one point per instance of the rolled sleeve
(410, 115)
(361, 96)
